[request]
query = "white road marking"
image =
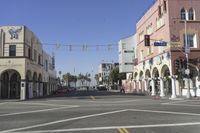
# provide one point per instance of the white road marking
(180, 101)
(112, 102)
(44, 104)
(36, 111)
(106, 101)
(113, 127)
(189, 105)
(165, 112)
(64, 120)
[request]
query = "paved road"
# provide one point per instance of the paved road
(100, 112)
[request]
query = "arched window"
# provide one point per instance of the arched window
(183, 13)
(191, 14)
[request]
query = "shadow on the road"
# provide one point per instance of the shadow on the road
(86, 94)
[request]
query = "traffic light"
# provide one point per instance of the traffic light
(177, 64)
(185, 64)
(146, 40)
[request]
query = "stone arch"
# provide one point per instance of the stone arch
(155, 76)
(40, 77)
(35, 87)
(165, 74)
(10, 84)
(141, 75)
(155, 73)
(147, 74)
(29, 75)
(135, 75)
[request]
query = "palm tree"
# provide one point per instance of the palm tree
(97, 78)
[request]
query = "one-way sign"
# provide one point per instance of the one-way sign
(160, 43)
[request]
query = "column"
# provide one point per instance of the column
(30, 88)
(135, 86)
(153, 91)
(145, 85)
(23, 91)
(173, 86)
(162, 94)
(140, 86)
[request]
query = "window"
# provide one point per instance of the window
(160, 22)
(128, 51)
(149, 29)
(12, 50)
(128, 63)
(141, 55)
(46, 65)
(123, 45)
(141, 36)
(191, 40)
(159, 11)
(183, 14)
(191, 14)
(39, 59)
(164, 5)
(35, 55)
(149, 50)
(29, 53)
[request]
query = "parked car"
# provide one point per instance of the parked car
(101, 88)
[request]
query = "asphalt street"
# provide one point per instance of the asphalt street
(100, 112)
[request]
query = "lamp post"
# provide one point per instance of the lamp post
(187, 50)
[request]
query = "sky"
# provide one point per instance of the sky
(77, 23)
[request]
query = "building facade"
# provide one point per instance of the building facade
(155, 67)
(26, 71)
(127, 53)
(104, 71)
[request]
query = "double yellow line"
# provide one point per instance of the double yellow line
(123, 130)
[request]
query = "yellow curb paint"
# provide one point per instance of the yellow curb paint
(120, 130)
(125, 130)
(92, 97)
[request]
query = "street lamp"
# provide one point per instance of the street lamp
(187, 50)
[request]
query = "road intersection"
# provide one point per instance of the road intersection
(100, 114)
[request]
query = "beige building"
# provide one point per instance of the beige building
(26, 71)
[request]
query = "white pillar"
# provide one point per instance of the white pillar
(145, 84)
(153, 91)
(162, 94)
(178, 91)
(140, 86)
(135, 86)
(23, 91)
(173, 86)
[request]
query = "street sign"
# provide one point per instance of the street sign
(160, 43)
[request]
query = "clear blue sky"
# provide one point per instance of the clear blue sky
(76, 22)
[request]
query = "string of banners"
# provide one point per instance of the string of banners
(84, 47)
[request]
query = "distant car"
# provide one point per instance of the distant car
(61, 91)
(101, 88)
(71, 89)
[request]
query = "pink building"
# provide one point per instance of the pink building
(161, 69)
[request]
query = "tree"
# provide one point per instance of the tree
(97, 78)
(70, 78)
(115, 76)
(81, 78)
